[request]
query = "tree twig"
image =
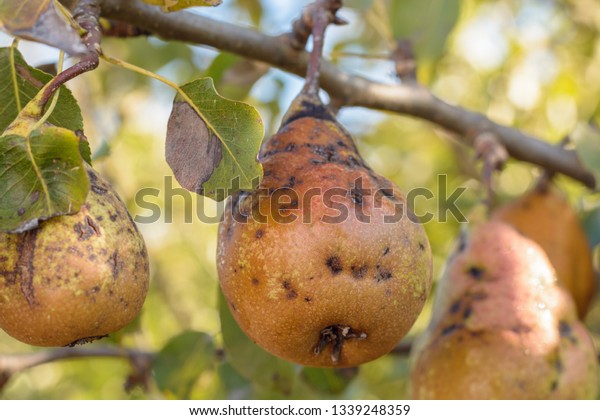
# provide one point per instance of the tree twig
(302, 27)
(86, 14)
(14, 363)
(353, 90)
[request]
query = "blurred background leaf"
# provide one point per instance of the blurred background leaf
(528, 64)
(181, 361)
(251, 361)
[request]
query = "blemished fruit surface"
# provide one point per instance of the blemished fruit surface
(324, 264)
(76, 277)
(502, 327)
(544, 215)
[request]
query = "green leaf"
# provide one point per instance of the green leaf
(19, 83)
(251, 361)
(587, 145)
(174, 5)
(426, 22)
(591, 226)
(331, 381)
(180, 363)
(41, 176)
(212, 144)
(85, 151)
(45, 21)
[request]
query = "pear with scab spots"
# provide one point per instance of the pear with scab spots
(502, 327)
(323, 264)
(74, 278)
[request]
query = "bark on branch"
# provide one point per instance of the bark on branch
(408, 99)
(11, 364)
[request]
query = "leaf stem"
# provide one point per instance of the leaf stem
(86, 14)
(59, 67)
(13, 72)
(184, 96)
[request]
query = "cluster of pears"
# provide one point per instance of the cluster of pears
(323, 264)
(504, 326)
(74, 278)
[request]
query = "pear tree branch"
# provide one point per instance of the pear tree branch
(11, 364)
(352, 90)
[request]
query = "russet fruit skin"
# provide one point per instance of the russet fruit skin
(502, 327)
(544, 215)
(75, 277)
(287, 282)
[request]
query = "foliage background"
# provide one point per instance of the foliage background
(532, 64)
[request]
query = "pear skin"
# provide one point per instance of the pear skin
(311, 269)
(76, 277)
(502, 327)
(544, 215)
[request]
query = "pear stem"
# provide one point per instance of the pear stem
(322, 15)
(86, 14)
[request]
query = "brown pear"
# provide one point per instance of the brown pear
(544, 215)
(76, 277)
(323, 264)
(502, 327)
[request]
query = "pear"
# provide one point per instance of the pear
(544, 215)
(502, 327)
(323, 264)
(77, 277)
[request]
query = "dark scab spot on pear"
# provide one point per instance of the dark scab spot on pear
(356, 196)
(452, 328)
(113, 262)
(342, 143)
(291, 147)
(259, 234)
(421, 246)
(359, 272)
(335, 264)
(521, 329)
(558, 365)
(268, 173)
(566, 331)
(388, 292)
(476, 272)
(255, 281)
(291, 182)
(86, 229)
(553, 385)
(98, 189)
(307, 299)
(383, 275)
(113, 217)
(311, 110)
(467, 312)
(386, 250)
(292, 294)
(317, 162)
(455, 307)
